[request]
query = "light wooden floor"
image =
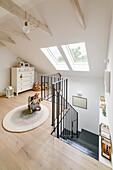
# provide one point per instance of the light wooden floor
(37, 149)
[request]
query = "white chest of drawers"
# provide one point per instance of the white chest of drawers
(22, 79)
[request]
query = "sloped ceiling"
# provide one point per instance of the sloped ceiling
(60, 17)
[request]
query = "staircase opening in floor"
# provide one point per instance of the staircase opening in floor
(54, 89)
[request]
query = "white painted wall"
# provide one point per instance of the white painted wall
(7, 60)
(109, 96)
(92, 89)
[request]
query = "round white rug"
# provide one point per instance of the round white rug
(20, 119)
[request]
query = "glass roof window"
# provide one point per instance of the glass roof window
(77, 56)
(54, 56)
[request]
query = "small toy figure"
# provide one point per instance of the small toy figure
(34, 103)
(37, 86)
(46, 86)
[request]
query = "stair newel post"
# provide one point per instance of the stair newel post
(53, 105)
(57, 114)
(77, 124)
(64, 95)
(66, 91)
(72, 129)
(44, 86)
(48, 86)
(41, 88)
(51, 84)
(61, 111)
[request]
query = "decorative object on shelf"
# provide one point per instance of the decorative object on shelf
(9, 91)
(37, 86)
(105, 131)
(105, 141)
(103, 105)
(104, 112)
(20, 64)
(79, 102)
(34, 103)
(102, 98)
(106, 148)
(26, 64)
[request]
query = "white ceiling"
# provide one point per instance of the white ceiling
(61, 18)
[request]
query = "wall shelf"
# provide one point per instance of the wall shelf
(103, 120)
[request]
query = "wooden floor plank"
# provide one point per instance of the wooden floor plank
(38, 149)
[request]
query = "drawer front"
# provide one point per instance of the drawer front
(25, 75)
(21, 80)
(25, 69)
(24, 83)
(24, 88)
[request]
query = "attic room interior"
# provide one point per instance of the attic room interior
(56, 87)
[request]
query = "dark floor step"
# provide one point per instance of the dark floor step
(89, 137)
(82, 148)
(86, 142)
(89, 146)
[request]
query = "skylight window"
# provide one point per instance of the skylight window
(56, 53)
(55, 57)
(77, 56)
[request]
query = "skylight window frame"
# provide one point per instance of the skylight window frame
(74, 65)
(51, 57)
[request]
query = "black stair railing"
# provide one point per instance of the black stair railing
(64, 116)
(59, 88)
(46, 84)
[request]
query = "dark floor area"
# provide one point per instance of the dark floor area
(86, 142)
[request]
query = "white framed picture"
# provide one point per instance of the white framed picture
(79, 102)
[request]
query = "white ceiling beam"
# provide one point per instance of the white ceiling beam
(2, 44)
(65, 58)
(21, 13)
(79, 12)
(14, 32)
(5, 37)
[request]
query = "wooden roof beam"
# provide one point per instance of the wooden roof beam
(5, 37)
(10, 6)
(14, 32)
(79, 12)
(2, 44)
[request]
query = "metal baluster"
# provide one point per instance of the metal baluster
(44, 87)
(41, 88)
(48, 86)
(57, 114)
(53, 105)
(77, 124)
(51, 84)
(61, 114)
(66, 92)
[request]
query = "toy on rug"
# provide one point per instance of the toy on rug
(34, 103)
(37, 86)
